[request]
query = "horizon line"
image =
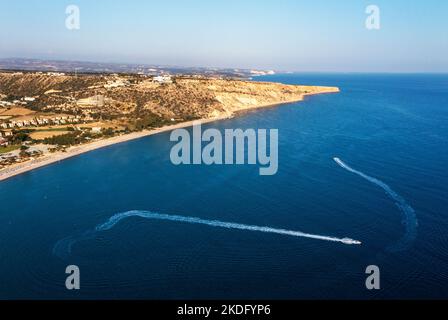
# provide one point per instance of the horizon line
(277, 71)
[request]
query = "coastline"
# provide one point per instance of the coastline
(74, 151)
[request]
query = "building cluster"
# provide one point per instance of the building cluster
(40, 121)
(5, 104)
(116, 83)
(6, 133)
(14, 157)
(163, 79)
(24, 101)
(261, 73)
(56, 74)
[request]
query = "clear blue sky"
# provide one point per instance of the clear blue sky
(293, 35)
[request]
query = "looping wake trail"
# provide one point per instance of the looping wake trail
(64, 246)
(409, 217)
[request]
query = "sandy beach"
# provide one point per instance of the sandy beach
(48, 159)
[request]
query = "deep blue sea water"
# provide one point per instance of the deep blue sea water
(393, 128)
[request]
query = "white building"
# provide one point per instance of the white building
(5, 133)
(163, 79)
(56, 74)
(3, 142)
(5, 103)
(116, 84)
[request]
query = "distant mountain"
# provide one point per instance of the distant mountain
(99, 67)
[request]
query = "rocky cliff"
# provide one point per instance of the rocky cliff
(185, 98)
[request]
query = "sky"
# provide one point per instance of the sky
(286, 35)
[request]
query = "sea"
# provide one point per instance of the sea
(368, 163)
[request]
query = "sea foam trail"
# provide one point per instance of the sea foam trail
(409, 216)
(64, 246)
(216, 223)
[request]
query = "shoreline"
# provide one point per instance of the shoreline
(74, 151)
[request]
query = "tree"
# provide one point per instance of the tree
(23, 151)
(20, 137)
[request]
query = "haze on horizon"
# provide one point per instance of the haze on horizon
(288, 35)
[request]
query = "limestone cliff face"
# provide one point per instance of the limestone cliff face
(235, 96)
(185, 98)
(220, 98)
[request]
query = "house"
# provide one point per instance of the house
(3, 142)
(94, 101)
(96, 130)
(6, 133)
(56, 74)
(163, 79)
(5, 103)
(116, 84)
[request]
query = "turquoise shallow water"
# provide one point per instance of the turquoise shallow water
(390, 130)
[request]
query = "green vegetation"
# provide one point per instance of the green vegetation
(149, 121)
(191, 118)
(78, 137)
(23, 151)
(8, 148)
(20, 137)
(50, 129)
(68, 139)
(109, 132)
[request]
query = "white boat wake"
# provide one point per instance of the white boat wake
(409, 216)
(63, 247)
(216, 223)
